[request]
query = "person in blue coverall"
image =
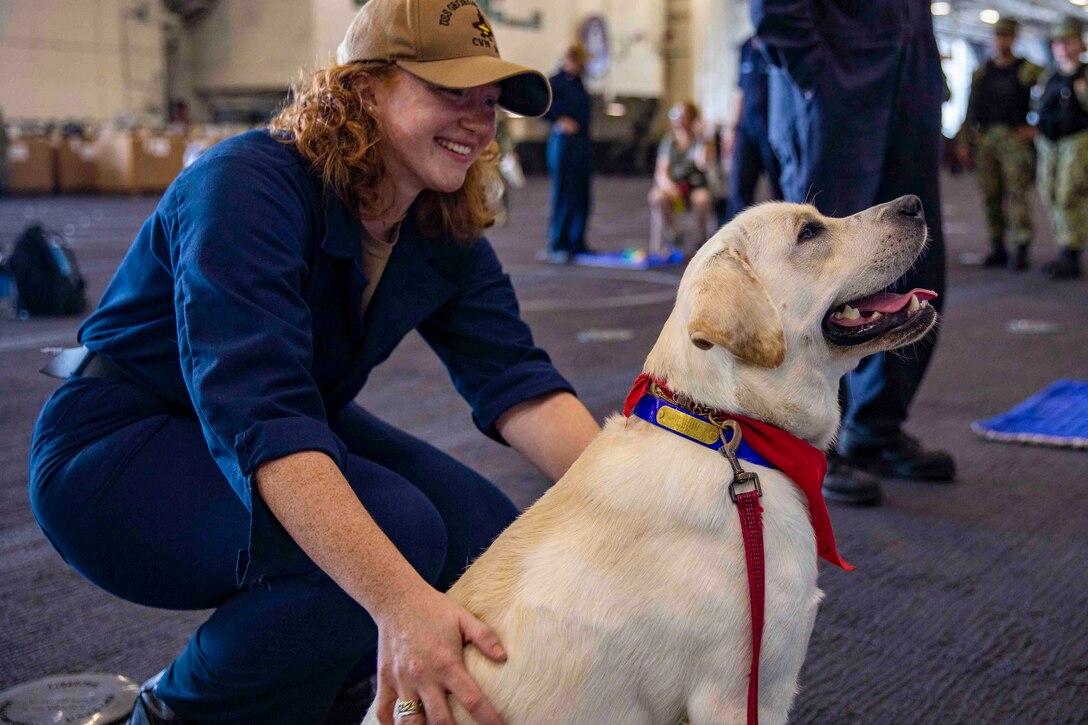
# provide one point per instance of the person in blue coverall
(855, 119)
(747, 142)
(207, 451)
(570, 158)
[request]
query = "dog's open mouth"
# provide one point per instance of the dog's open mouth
(868, 318)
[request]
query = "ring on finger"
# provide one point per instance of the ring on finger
(402, 708)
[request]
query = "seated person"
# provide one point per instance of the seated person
(680, 178)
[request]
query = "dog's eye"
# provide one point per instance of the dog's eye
(808, 231)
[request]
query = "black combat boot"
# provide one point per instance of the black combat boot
(149, 709)
(1019, 261)
(997, 257)
(846, 484)
(1066, 266)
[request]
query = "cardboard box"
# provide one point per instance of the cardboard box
(131, 163)
(160, 157)
(77, 165)
(32, 165)
(116, 156)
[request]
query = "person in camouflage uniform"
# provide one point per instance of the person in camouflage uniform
(997, 127)
(1063, 148)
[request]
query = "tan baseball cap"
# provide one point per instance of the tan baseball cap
(446, 42)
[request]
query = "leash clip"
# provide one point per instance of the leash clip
(742, 479)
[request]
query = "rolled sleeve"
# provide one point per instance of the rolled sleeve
(269, 440)
(516, 385)
(238, 256)
(486, 346)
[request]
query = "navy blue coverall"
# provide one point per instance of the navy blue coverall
(855, 120)
(570, 163)
(234, 321)
(752, 152)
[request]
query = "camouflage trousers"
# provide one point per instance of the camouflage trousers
(1006, 170)
(1063, 184)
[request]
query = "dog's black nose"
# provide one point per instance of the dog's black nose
(909, 205)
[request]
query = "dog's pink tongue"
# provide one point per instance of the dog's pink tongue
(885, 302)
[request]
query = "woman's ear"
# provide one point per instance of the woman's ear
(365, 85)
(730, 307)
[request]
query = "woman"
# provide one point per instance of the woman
(207, 452)
(680, 178)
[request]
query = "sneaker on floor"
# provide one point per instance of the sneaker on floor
(848, 485)
(902, 458)
(553, 257)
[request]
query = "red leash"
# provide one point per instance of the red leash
(751, 526)
(751, 529)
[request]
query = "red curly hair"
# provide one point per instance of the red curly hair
(327, 122)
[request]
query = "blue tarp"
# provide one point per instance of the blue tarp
(1055, 416)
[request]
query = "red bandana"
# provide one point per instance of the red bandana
(800, 462)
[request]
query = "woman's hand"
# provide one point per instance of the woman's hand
(568, 125)
(421, 657)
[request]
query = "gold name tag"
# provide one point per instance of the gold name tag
(688, 426)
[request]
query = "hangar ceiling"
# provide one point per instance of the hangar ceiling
(1035, 15)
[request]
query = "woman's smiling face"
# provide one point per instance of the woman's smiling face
(432, 135)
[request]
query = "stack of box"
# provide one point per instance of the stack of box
(132, 162)
(112, 161)
(31, 165)
(77, 167)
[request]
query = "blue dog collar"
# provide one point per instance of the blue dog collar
(695, 428)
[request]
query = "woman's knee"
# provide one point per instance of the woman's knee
(403, 513)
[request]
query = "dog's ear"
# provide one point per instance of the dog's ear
(730, 307)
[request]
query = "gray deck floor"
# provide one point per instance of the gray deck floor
(970, 603)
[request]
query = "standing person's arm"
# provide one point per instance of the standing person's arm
(1080, 88)
(1029, 77)
(791, 40)
(562, 111)
(968, 133)
(729, 136)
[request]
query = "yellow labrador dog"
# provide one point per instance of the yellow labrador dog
(621, 596)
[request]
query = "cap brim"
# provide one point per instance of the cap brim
(525, 91)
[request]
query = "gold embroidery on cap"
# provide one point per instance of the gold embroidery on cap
(481, 25)
(486, 36)
(686, 425)
(447, 12)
